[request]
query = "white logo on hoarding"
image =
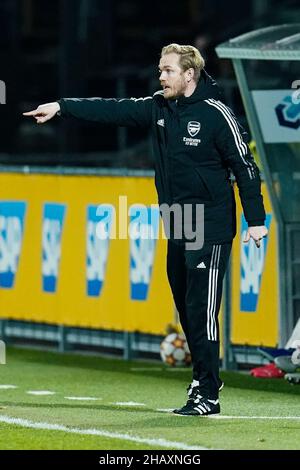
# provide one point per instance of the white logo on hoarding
(97, 250)
(142, 254)
(296, 94)
(10, 243)
(253, 265)
(51, 247)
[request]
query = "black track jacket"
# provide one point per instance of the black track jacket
(196, 140)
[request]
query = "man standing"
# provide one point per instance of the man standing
(196, 141)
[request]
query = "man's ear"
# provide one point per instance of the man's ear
(190, 74)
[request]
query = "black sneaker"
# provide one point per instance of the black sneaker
(199, 406)
(193, 392)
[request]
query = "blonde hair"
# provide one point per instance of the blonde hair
(189, 57)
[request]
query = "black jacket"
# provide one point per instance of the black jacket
(196, 140)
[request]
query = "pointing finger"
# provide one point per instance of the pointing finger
(31, 113)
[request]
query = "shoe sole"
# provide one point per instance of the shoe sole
(196, 415)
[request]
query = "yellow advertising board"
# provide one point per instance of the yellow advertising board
(52, 269)
(56, 268)
(255, 284)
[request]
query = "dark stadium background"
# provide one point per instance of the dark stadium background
(109, 48)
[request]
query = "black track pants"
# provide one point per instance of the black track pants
(196, 278)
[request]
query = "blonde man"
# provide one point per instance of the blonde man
(197, 141)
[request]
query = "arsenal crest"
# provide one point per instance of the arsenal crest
(193, 128)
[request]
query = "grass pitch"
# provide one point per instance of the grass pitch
(105, 404)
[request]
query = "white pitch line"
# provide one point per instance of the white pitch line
(7, 387)
(168, 410)
(253, 417)
(145, 369)
(83, 398)
(128, 403)
(98, 432)
(40, 392)
(165, 410)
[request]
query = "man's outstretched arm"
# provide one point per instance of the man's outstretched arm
(130, 112)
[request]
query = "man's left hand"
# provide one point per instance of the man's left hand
(257, 233)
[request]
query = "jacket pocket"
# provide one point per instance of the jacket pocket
(203, 191)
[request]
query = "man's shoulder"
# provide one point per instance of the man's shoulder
(156, 99)
(158, 96)
(217, 107)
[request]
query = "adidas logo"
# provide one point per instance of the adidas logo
(161, 122)
(201, 265)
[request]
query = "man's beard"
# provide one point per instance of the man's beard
(176, 93)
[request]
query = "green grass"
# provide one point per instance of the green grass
(112, 381)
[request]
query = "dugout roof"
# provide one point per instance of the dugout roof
(272, 43)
